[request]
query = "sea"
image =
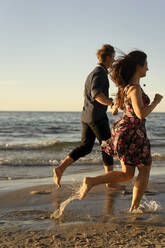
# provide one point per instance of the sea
(33, 143)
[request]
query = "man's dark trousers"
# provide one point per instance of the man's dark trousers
(90, 132)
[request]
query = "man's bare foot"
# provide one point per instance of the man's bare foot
(57, 176)
(85, 188)
(116, 186)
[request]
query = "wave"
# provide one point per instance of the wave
(63, 129)
(47, 162)
(157, 141)
(37, 146)
(89, 160)
(28, 162)
(55, 144)
(158, 144)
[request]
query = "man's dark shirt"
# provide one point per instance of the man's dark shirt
(96, 82)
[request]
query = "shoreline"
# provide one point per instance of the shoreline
(72, 176)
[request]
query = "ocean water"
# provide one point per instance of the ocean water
(32, 143)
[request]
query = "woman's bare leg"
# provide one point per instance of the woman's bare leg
(140, 186)
(112, 177)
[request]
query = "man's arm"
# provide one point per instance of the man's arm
(101, 98)
(97, 87)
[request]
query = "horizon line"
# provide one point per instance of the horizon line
(58, 111)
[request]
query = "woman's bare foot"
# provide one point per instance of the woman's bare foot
(85, 188)
(57, 176)
(130, 210)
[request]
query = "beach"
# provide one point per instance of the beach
(99, 220)
(33, 213)
(82, 95)
(93, 235)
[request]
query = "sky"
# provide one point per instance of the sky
(48, 47)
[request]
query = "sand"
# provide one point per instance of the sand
(86, 235)
(100, 220)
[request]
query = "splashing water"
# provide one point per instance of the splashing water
(75, 196)
(148, 207)
(63, 205)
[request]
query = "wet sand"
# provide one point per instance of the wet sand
(100, 220)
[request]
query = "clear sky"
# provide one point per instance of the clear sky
(47, 48)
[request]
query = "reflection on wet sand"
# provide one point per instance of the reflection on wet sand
(110, 202)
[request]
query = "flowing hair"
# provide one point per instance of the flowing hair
(123, 70)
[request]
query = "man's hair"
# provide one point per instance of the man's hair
(104, 51)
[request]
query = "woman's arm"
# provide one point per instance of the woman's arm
(141, 111)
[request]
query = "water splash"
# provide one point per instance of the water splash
(75, 196)
(63, 205)
(148, 207)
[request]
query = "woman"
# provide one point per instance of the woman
(129, 141)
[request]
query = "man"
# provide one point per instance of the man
(95, 123)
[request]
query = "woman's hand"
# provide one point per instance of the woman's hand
(114, 110)
(157, 98)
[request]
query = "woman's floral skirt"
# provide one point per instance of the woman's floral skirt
(129, 141)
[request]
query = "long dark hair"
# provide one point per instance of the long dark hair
(123, 70)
